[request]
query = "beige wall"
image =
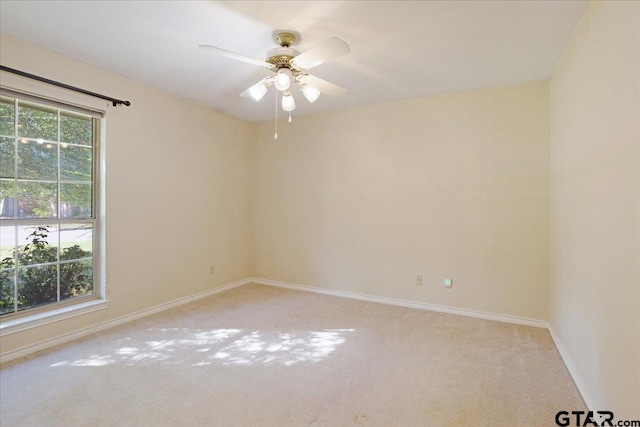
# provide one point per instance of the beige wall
(177, 184)
(448, 186)
(595, 187)
(366, 199)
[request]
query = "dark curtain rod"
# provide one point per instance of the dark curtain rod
(62, 85)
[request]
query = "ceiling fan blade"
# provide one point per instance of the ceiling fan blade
(328, 49)
(237, 56)
(323, 85)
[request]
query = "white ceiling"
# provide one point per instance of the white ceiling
(399, 49)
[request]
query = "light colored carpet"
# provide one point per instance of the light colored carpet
(261, 356)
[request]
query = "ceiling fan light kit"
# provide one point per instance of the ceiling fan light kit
(290, 66)
(258, 90)
(283, 79)
(288, 103)
(310, 92)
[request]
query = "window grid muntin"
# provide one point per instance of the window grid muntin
(57, 220)
(15, 203)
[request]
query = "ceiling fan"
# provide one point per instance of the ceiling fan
(289, 67)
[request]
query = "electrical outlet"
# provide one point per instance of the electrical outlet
(448, 283)
(212, 269)
(419, 280)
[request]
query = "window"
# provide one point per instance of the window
(48, 205)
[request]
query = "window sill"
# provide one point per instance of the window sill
(44, 318)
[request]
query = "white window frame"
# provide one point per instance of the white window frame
(60, 310)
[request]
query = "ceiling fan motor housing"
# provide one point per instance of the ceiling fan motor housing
(280, 56)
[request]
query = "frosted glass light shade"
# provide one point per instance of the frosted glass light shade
(283, 79)
(288, 103)
(310, 92)
(258, 90)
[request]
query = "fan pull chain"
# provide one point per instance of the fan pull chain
(289, 116)
(275, 135)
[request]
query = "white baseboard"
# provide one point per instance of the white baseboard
(451, 310)
(571, 368)
(42, 345)
(61, 339)
(405, 303)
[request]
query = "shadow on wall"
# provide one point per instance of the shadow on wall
(220, 347)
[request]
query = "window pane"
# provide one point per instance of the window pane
(7, 244)
(75, 128)
(76, 241)
(37, 121)
(76, 279)
(7, 198)
(46, 173)
(37, 285)
(75, 200)
(7, 294)
(37, 160)
(37, 244)
(7, 116)
(7, 157)
(75, 163)
(37, 200)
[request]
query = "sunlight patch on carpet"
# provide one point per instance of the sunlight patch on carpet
(234, 347)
